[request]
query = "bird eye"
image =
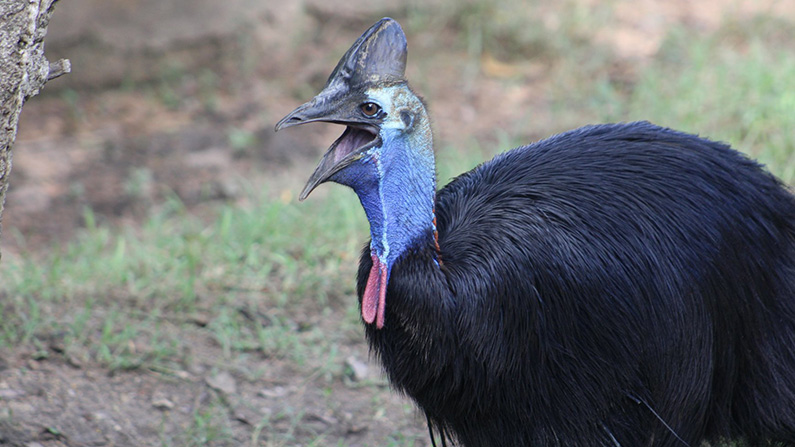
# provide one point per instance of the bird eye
(370, 109)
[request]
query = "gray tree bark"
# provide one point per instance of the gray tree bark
(23, 70)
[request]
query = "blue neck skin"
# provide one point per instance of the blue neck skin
(396, 184)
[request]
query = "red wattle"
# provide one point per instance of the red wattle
(369, 300)
(379, 321)
(374, 299)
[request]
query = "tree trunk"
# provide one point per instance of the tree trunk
(23, 70)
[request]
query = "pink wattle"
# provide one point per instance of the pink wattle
(374, 299)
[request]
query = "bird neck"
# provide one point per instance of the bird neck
(401, 208)
(396, 184)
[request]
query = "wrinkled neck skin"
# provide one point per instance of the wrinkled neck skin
(396, 182)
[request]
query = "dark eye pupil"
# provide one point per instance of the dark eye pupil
(369, 109)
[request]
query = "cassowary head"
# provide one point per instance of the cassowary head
(385, 153)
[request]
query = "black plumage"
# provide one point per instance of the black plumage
(614, 285)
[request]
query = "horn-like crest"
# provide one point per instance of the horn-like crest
(380, 53)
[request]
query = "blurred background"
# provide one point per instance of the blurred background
(160, 284)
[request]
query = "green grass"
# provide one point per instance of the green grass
(252, 269)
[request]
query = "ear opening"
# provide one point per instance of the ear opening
(407, 117)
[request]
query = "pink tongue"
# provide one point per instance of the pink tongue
(374, 299)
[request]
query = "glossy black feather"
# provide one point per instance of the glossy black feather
(613, 285)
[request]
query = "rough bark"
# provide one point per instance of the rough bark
(23, 70)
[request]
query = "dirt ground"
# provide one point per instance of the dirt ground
(122, 150)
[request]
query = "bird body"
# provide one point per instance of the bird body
(615, 285)
(621, 258)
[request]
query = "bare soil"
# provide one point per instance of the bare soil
(122, 151)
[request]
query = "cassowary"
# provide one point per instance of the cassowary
(614, 285)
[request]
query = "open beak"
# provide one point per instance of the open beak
(354, 142)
